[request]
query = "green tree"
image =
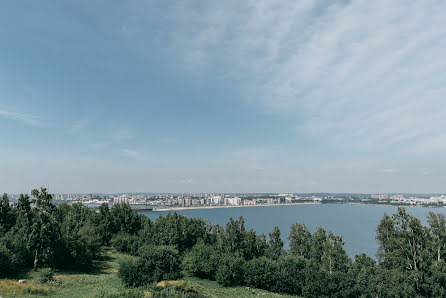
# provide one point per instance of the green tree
(300, 240)
(45, 231)
(437, 230)
(235, 234)
(275, 243)
(317, 247)
(403, 245)
(6, 214)
(334, 258)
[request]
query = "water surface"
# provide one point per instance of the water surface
(355, 223)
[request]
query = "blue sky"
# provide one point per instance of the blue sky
(233, 96)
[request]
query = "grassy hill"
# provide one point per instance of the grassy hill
(103, 281)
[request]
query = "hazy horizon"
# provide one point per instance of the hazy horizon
(199, 96)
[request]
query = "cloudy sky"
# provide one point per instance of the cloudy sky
(223, 96)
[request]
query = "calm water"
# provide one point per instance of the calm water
(355, 223)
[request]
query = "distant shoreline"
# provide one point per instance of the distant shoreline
(233, 206)
(284, 204)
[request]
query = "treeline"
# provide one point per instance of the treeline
(410, 261)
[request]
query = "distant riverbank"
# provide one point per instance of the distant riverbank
(293, 204)
(233, 206)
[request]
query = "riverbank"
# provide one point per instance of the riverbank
(234, 206)
(292, 204)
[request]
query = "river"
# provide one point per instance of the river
(355, 223)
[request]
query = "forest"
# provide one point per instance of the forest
(35, 234)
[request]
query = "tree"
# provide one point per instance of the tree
(275, 243)
(104, 225)
(437, 230)
(363, 271)
(403, 245)
(235, 234)
(45, 231)
(6, 214)
(334, 258)
(81, 241)
(300, 240)
(6, 261)
(317, 247)
(125, 219)
(23, 207)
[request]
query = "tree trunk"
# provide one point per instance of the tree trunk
(35, 262)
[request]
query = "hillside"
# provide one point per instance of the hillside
(103, 281)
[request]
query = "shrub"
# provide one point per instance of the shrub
(6, 261)
(155, 263)
(260, 273)
(230, 270)
(46, 275)
(290, 275)
(125, 243)
(202, 261)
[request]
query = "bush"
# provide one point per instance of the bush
(6, 261)
(125, 243)
(260, 273)
(129, 272)
(290, 275)
(46, 275)
(202, 261)
(155, 263)
(230, 270)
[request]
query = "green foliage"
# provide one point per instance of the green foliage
(46, 275)
(179, 231)
(275, 243)
(155, 263)
(6, 214)
(125, 243)
(128, 272)
(411, 257)
(6, 261)
(202, 261)
(230, 270)
(45, 236)
(290, 276)
(300, 240)
(260, 273)
(124, 219)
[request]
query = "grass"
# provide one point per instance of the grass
(103, 281)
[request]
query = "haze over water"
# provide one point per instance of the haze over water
(355, 223)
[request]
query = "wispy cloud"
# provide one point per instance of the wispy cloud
(363, 73)
(26, 118)
(134, 154)
(78, 126)
(389, 171)
(121, 135)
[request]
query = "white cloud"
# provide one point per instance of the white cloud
(26, 118)
(363, 73)
(134, 154)
(121, 135)
(389, 171)
(78, 126)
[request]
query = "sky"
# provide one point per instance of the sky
(223, 96)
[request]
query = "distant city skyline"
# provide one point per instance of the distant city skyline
(223, 97)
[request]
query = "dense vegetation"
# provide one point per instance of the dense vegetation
(410, 261)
